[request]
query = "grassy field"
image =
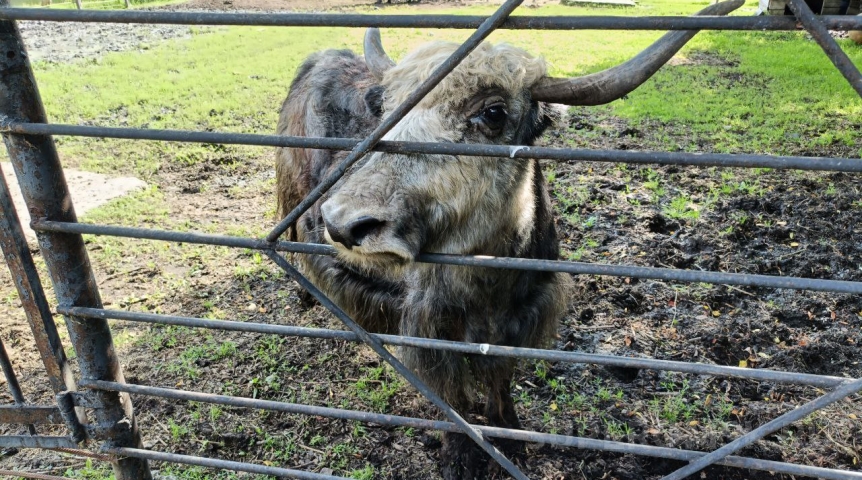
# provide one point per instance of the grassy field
(235, 79)
(782, 97)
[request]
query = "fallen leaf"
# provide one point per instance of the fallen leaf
(653, 431)
(693, 423)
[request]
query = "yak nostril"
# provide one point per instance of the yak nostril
(363, 227)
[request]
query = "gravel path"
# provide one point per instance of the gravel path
(64, 42)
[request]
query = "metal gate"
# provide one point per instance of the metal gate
(111, 422)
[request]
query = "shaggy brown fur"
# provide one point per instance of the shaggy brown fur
(391, 207)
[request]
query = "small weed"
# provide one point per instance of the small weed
(177, 431)
(365, 473)
(681, 208)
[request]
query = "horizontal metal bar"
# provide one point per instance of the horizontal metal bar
(510, 434)
(853, 165)
(36, 441)
(30, 414)
(469, 348)
(833, 22)
(577, 268)
(218, 463)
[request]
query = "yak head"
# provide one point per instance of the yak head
(389, 207)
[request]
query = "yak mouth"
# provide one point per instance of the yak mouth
(379, 253)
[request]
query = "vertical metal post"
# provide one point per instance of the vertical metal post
(12, 381)
(47, 196)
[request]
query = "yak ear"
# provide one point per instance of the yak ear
(540, 116)
(374, 100)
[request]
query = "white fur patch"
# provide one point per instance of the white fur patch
(525, 206)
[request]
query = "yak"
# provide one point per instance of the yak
(390, 207)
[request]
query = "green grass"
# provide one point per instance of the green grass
(234, 79)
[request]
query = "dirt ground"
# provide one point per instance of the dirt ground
(768, 222)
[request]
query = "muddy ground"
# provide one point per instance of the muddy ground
(769, 222)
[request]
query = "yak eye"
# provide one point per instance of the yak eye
(491, 120)
(495, 115)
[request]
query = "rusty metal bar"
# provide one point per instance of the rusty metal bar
(601, 22)
(46, 194)
(821, 35)
(218, 463)
(37, 476)
(36, 441)
(496, 432)
(32, 295)
(788, 418)
(12, 382)
(469, 348)
(30, 414)
(577, 268)
(833, 164)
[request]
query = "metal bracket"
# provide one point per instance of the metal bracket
(66, 404)
(86, 399)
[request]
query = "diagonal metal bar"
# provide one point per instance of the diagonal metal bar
(759, 374)
(32, 295)
(821, 35)
(496, 432)
(839, 393)
(378, 348)
(397, 115)
(576, 268)
(832, 164)
(12, 382)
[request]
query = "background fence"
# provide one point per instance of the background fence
(109, 418)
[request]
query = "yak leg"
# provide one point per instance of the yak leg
(500, 408)
(462, 458)
(500, 412)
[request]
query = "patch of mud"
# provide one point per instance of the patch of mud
(60, 42)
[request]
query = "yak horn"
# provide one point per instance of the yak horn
(611, 84)
(375, 57)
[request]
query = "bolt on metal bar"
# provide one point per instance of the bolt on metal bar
(30, 414)
(794, 378)
(32, 295)
(396, 364)
(576, 268)
(603, 22)
(36, 441)
(834, 164)
(46, 194)
(821, 35)
(496, 432)
(12, 382)
(396, 115)
(788, 418)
